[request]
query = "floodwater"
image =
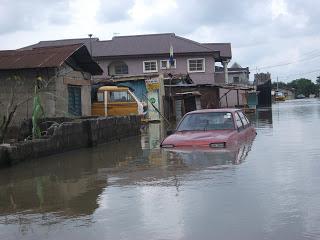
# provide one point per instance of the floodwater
(267, 189)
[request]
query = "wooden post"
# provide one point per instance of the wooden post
(161, 94)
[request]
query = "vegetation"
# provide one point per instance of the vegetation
(11, 106)
(300, 86)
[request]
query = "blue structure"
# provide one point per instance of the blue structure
(137, 86)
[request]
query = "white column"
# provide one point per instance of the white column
(225, 66)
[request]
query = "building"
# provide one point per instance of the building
(236, 74)
(261, 78)
(131, 60)
(143, 55)
(61, 74)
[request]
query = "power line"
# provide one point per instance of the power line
(312, 55)
(302, 73)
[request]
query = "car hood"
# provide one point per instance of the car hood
(191, 138)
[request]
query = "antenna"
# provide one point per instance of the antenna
(90, 36)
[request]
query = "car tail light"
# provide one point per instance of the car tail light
(167, 146)
(218, 145)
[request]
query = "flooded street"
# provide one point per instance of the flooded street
(267, 189)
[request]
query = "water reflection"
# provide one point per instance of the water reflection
(264, 189)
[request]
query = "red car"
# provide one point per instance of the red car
(211, 128)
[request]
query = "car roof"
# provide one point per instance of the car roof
(216, 110)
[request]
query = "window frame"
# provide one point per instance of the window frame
(149, 71)
(168, 63)
(195, 59)
(122, 67)
(235, 118)
(236, 78)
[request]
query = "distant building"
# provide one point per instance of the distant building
(261, 78)
(236, 74)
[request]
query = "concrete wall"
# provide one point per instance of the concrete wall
(135, 67)
(22, 83)
(72, 135)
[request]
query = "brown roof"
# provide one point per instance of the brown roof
(147, 45)
(150, 44)
(62, 42)
(223, 48)
(49, 57)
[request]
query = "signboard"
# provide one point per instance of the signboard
(152, 84)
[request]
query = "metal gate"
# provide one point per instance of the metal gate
(74, 100)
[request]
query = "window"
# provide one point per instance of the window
(196, 65)
(164, 64)
(150, 66)
(236, 79)
(100, 96)
(238, 121)
(120, 68)
(207, 121)
(121, 96)
(243, 119)
(117, 68)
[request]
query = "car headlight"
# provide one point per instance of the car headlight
(218, 145)
(167, 146)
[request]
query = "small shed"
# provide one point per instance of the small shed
(62, 74)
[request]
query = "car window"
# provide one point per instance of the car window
(207, 121)
(120, 96)
(243, 119)
(238, 121)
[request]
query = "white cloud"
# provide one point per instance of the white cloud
(262, 33)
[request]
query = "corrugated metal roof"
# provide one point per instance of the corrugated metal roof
(49, 57)
(149, 44)
(223, 48)
(61, 42)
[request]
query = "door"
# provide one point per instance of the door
(74, 100)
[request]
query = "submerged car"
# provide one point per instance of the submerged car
(211, 129)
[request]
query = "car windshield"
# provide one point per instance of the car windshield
(207, 121)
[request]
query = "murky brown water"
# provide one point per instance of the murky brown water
(268, 189)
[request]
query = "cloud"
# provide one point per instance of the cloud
(262, 33)
(28, 15)
(114, 11)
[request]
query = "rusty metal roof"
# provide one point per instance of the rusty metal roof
(50, 57)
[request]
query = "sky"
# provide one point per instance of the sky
(277, 36)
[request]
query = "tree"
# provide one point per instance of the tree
(11, 109)
(318, 80)
(303, 86)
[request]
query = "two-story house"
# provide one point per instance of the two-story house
(130, 60)
(134, 58)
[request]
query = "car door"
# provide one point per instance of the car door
(240, 126)
(247, 129)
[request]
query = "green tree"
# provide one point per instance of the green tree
(303, 86)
